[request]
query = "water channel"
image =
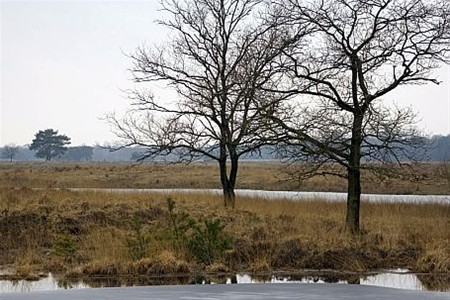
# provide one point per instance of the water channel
(393, 278)
(288, 195)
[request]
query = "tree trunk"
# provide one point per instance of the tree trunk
(229, 196)
(234, 159)
(227, 186)
(354, 178)
(353, 200)
(228, 180)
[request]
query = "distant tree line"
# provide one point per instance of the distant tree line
(437, 149)
(9, 152)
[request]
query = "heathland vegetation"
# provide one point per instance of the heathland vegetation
(430, 178)
(307, 78)
(80, 234)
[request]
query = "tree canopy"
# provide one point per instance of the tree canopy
(312, 75)
(48, 144)
(357, 52)
(221, 54)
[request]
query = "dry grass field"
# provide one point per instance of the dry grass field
(431, 179)
(85, 234)
(102, 234)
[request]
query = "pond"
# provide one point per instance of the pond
(394, 278)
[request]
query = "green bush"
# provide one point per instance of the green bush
(206, 243)
(65, 246)
(180, 224)
(209, 242)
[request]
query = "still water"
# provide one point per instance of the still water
(289, 195)
(395, 278)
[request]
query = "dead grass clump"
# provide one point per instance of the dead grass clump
(241, 256)
(436, 259)
(261, 265)
(166, 263)
(97, 216)
(29, 264)
(18, 235)
(106, 243)
(217, 268)
(9, 198)
(250, 254)
(289, 254)
(104, 268)
(70, 225)
(404, 255)
(440, 282)
(142, 266)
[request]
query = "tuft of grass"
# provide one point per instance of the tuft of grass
(435, 259)
(138, 242)
(166, 264)
(261, 265)
(102, 267)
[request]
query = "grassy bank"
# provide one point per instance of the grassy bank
(433, 178)
(100, 234)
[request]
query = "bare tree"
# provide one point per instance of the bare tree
(221, 55)
(359, 51)
(10, 152)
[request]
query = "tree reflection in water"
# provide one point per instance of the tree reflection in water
(430, 282)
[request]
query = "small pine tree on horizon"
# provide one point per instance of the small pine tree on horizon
(48, 144)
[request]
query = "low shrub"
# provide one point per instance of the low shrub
(65, 246)
(208, 242)
(138, 242)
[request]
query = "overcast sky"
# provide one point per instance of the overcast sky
(63, 66)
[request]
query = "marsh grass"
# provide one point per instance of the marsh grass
(432, 178)
(89, 233)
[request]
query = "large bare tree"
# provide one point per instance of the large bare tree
(358, 53)
(221, 54)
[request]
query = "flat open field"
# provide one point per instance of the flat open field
(430, 179)
(85, 234)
